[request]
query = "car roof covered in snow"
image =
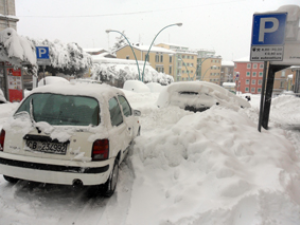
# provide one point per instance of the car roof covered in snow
(98, 91)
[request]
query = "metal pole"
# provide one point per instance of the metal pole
(44, 67)
(137, 64)
(176, 24)
(262, 96)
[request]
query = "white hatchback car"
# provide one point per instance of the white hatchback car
(70, 134)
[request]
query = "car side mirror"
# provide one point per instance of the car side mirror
(136, 112)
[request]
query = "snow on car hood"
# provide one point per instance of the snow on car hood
(208, 95)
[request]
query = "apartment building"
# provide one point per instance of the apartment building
(161, 59)
(248, 75)
(227, 68)
(185, 61)
(284, 80)
(209, 69)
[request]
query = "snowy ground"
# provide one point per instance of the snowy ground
(205, 168)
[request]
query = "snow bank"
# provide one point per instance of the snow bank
(154, 87)
(136, 86)
(216, 169)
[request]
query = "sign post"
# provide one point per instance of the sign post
(276, 41)
(43, 59)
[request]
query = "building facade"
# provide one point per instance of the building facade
(248, 75)
(161, 59)
(209, 69)
(227, 68)
(185, 61)
(8, 14)
(284, 81)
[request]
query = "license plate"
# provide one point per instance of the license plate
(48, 147)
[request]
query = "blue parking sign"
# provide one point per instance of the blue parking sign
(268, 29)
(42, 52)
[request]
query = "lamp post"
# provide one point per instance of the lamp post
(137, 64)
(146, 57)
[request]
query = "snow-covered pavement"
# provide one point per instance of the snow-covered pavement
(185, 168)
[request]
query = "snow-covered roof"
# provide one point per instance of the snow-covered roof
(171, 44)
(145, 48)
(101, 59)
(93, 49)
(227, 63)
(244, 59)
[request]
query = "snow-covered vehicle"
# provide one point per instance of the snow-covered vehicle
(198, 96)
(69, 134)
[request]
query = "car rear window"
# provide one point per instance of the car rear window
(57, 109)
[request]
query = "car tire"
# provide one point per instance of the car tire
(111, 183)
(11, 180)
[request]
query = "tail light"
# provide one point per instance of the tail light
(2, 137)
(100, 150)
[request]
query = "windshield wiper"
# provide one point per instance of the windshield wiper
(32, 118)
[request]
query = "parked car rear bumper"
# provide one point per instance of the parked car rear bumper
(56, 174)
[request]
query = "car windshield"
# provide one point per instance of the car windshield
(57, 109)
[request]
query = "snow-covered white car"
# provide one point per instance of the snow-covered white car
(198, 96)
(69, 134)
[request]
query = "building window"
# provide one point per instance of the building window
(192, 64)
(246, 89)
(258, 90)
(260, 74)
(182, 71)
(192, 57)
(188, 57)
(282, 84)
(248, 65)
(248, 74)
(261, 66)
(247, 81)
(252, 90)
(170, 59)
(162, 69)
(259, 82)
(254, 74)
(254, 66)
(161, 58)
(156, 58)
(170, 70)
(253, 82)
(127, 56)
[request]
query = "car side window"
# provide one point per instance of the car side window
(116, 117)
(125, 106)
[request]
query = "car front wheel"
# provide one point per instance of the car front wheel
(10, 179)
(111, 183)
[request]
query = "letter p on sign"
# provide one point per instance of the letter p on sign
(268, 29)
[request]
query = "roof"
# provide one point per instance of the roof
(170, 44)
(145, 48)
(94, 49)
(227, 63)
(244, 59)
(101, 59)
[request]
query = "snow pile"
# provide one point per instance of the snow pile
(6, 111)
(52, 80)
(216, 169)
(15, 49)
(285, 111)
(136, 86)
(2, 98)
(105, 69)
(154, 87)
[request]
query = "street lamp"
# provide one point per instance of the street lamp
(146, 57)
(137, 64)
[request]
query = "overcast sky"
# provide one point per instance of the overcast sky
(222, 25)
